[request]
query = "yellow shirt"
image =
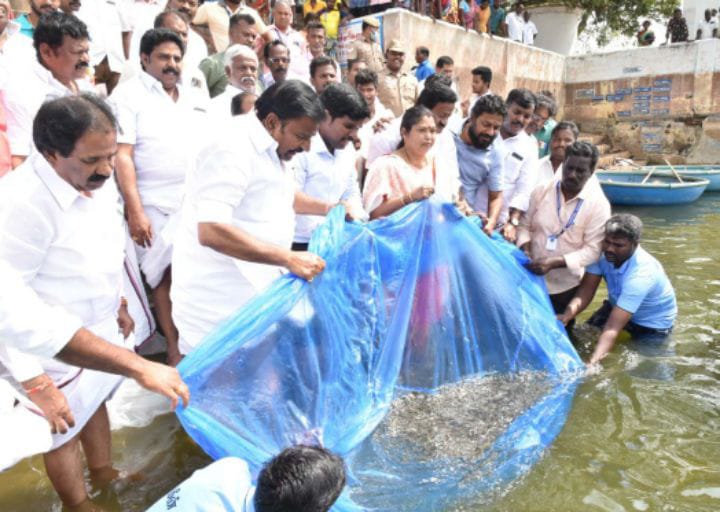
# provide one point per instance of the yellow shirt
(308, 8)
(481, 20)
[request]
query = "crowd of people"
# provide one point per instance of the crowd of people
(677, 30)
(207, 170)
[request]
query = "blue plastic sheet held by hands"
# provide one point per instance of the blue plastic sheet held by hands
(410, 302)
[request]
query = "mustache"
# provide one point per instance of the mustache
(97, 178)
(248, 80)
(171, 71)
(82, 65)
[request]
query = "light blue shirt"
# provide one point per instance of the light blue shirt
(26, 27)
(424, 70)
(223, 486)
(481, 170)
(640, 287)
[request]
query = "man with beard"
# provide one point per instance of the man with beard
(238, 214)
(327, 170)
(159, 119)
(241, 65)
(61, 44)
(641, 299)
(563, 227)
(70, 6)
(242, 30)
(29, 21)
(520, 158)
(481, 163)
(277, 59)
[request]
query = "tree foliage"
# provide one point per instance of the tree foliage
(614, 16)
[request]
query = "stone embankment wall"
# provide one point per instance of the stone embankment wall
(657, 103)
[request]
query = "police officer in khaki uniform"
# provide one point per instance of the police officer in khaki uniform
(397, 90)
(366, 48)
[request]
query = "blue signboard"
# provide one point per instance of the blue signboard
(652, 148)
(661, 99)
(625, 91)
(662, 88)
(661, 112)
(615, 97)
(642, 97)
(598, 98)
(662, 81)
(642, 89)
(624, 113)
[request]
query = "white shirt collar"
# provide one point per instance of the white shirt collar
(318, 146)
(260, 138)
(47, 77)
(63, 193)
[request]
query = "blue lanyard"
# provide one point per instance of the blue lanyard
(571, 220)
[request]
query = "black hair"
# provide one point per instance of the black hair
(566, 125)
(290, 99)
(236, 102)
(413, 116)
(161, 18)
(547, 102)
(272, 44)
(438, 79)
(300, 478)
(236, 18)
(311, 17)
(54, 26)
(366, 77)
(342, 100)
(319, 62)
(522, 97)
(488, 104)
(352, 62)
(314, 25)
(157, 36)
(61, 122)
(443, 61)
(483, 72)
(423, 50)
(435, 93)
(365, 25)
(585, 150)
(625, 225)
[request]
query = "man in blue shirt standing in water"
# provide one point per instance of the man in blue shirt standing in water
(641, 299)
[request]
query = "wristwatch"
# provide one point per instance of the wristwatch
(515, 222)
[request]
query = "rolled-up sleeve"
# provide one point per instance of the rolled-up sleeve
(593, 237)
(526, 182)
(496, 170)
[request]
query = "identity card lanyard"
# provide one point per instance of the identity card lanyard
(552, 239)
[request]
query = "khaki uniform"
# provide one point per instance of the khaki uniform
(397, 92)
(370, 53)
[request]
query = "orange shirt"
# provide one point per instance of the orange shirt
(481, 20)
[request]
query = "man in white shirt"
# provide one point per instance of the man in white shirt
(440, 100)
(108, 25)
(212, 21)
(530, 31)
(192, 76)
(327, 170)
(23, 432)
(366, 83)
(238, 215)
(520, 158)
(304, 477)
(241, 66)
(563, 135)
(514, 23)
(481, 80)
(60, 70)
(707, 28)
(282, 30)
(159, 120)
(62, 231)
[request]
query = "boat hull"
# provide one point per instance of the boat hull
(661, 189)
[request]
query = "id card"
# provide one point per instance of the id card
(551, 244)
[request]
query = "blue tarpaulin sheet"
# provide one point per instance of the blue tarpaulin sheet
(407, 303)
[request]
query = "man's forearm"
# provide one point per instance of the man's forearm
(308, 205)
(234, 242)
(127, 183)
(495, 202)
(87, 350)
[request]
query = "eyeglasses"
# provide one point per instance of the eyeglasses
(279, 60)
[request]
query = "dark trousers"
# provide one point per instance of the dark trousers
(560, 301)
(600, 318)
(298, 246)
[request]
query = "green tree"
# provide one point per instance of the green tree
(614, 16)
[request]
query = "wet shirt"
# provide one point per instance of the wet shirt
(640, 287)
(223, 486)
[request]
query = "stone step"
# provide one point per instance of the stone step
(594, 138)
(609, 159)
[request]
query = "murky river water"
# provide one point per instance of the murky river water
(642, 435)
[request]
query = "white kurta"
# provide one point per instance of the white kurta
(239, 180)
(164, 136)
(330, 177)
(69, 249)
(106, 22)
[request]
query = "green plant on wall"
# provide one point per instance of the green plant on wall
(613, 17)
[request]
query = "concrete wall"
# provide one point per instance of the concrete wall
(513, 64)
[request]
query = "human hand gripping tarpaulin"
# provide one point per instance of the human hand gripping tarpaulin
(413, 301)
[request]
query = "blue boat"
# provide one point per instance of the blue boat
(662, 188)
(708, 172)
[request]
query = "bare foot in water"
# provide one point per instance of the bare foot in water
(85, 506)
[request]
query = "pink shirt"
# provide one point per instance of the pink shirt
(579, 244)
(390, 176)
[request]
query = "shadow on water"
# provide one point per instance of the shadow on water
(642, 435)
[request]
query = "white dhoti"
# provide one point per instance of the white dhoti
(155, 260)
(138, 304)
